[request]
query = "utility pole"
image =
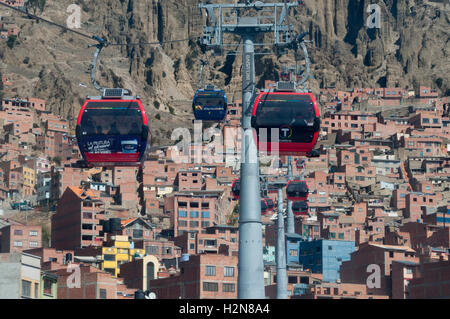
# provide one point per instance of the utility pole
(267, 19)
(280, 252)
(290, 227)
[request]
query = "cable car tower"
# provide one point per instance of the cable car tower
(247, 20)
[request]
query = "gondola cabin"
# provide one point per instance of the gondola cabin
(293, 114)
(264, 207)
(297, 190)
(209, 104)
(236, 189)
(300, 208)
(113, 130)
(270, 204)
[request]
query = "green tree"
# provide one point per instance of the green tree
(12, 39)
(35, 6)
(57, 160)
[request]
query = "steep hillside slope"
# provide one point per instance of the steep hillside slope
(411, 48)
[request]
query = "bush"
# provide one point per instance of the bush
(158, 116)
(164, 74)
(156, 104)
(12, 39)
(171, 110)
(26, 60)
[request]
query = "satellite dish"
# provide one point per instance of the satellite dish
(151, 295)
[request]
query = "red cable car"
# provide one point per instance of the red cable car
(294, 113)
(264, 207)
(236, 188)
(300, 208)
(270, 204)
(297, 190)
(113, 130)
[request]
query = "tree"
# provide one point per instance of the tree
(12, 39)
(57, 160)
(35, 5)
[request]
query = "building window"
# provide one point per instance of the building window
(17, 232)
(205, 205)
(341, 236)
(182, 223)
(292, 279)
(182, 213)
(193, 224)
(17, 243)
(391, 254)
(193, 214)
(229, 271)
(205, 224)
(210, 270)
(228, 288)
(205, 215)
(26, 289)
(210, 286)
(137, 233)
(48, 287)
(293, 252)
(152, 250)
(33, 244)
(102, 293)
(109, 257)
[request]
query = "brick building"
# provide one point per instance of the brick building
(192, 211)
(205, 276)
(17, 238)
(77, 222)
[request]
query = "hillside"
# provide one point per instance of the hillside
(410, 48)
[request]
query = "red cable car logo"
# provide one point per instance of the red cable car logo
(285, 132)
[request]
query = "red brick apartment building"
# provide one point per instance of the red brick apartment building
(192, 211)
(430, 280)
(352, 121)
(219, 239)
(356, 269)
(17, 238)
(52, 259)
(63, 178)
(422, 145)
(57, 125)
(17, 112)
(55, 144)
(76, 223)
(37, 104)
(205, 276)
(94, 284)
(415, 202)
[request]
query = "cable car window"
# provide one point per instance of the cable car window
(276, 110)
(209, 100)
(111, 118)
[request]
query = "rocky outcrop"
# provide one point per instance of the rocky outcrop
(411, 47)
